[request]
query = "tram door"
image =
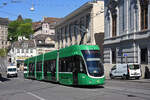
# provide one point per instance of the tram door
(45, 70)
(33, 70)
(53, 70)
(75, 70)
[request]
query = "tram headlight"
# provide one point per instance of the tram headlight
(83, 76)
(90, 82)
(98, 81)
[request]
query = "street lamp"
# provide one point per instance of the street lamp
(32, 8)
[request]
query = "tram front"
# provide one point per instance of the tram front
(94, 67)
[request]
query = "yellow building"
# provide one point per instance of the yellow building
(80, 26)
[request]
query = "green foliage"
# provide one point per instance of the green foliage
(19, 28)
(3, 52)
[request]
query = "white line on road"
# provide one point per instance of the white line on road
(40, 98)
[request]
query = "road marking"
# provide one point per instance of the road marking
(40, 98)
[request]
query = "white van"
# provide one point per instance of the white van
(12, 71)
(126, 71)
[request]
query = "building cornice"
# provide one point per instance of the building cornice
(74, 13)
(145, 34)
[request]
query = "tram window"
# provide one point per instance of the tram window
(59, 65)
(25, 64)
(53, 65)
(69, 63)
(63, 63)
(30, 67)
(33, 66)
(39, 66)
(79, 61)
(48, 66)
(45, 65)
(82, 67)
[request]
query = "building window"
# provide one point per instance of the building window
(144, 56)
(22, 50)
(61, 37)
(87, 21)
(112, 5)
(18, 50)
(144, 14)
(81, 24)
(75, 30)
(114, 25)
(114, 56)
(31, 50)
(66, 33)
(12, 49)
(26, 50)
(70, 34)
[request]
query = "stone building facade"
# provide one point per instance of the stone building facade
(4, 33)
(44, 43)
(80, 26)
(46, 26)
(21, 50)
(44, 34)
(127, 33)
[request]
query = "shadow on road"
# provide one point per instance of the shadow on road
(86, 87)
(2, 79)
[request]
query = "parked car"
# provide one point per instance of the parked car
(126, 71)
(12, 71)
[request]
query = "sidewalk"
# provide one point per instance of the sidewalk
(131, 80)
(140, 80)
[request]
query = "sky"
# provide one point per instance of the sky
(48, 8)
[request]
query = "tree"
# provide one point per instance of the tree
(25, 30)
(19, 28)
(3, 52)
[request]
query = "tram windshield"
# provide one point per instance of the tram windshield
(94, 64)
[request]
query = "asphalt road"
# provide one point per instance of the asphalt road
(26, 89)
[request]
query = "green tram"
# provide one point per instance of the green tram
(74, 65)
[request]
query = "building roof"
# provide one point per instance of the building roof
(78, 11)
(23, 43)
(41, 38)
(4, 21)
(20, 18)
(36, 25)
(50, 20)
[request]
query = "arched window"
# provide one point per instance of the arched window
(114, 25)
(144, 14)
(112, 7)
